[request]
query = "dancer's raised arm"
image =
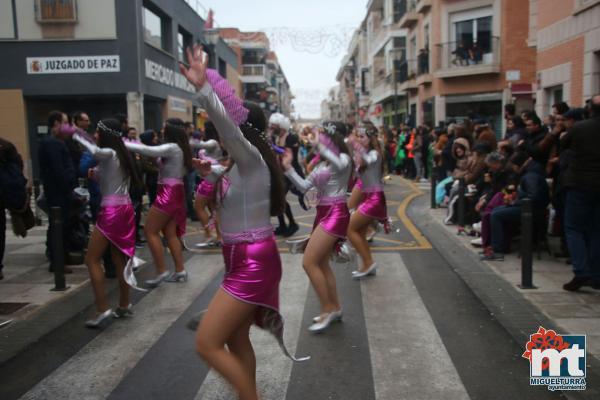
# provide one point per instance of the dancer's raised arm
(163, 150)
(238, 147)
(97, 152)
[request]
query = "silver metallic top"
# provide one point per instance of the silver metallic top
(371, 176)
(171, 165)
(330, 178)
(246, 203)
(111, 178)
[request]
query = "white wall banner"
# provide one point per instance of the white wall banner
(73, 65)
(167, 76)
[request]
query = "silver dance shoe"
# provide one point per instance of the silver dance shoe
(123, 312)
(99, 320)
(337, 317)
(297, 246)
(372, 270)
(323, 323)
(208, 244)
(344, 255)
(178, 277)
(158, 280)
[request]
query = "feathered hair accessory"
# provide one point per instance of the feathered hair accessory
(233, 105)
(370, 131)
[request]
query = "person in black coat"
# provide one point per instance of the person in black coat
(8, 154)
(58, 174)
(582, 211)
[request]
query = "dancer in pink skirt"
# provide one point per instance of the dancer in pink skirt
(168, 213)
(331, 223)
(115, 226)
(209, 150)
(368, 157)
(249, 193)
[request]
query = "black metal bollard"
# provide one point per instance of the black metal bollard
(526, 245)
(461, 203)
(58, 255)
(433, 186)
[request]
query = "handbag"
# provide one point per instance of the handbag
(22, 221)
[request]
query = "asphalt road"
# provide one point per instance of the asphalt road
(415, 331)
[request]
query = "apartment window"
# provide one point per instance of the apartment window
(252, 57)
(184, 40)
(426, 36)
(56, 11)
(399, 10)
(476, 30)
(156, 30)
(554, 95)
(222, 68)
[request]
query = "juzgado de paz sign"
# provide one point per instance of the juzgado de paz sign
(73, 65)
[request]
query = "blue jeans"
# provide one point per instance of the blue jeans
(503, 216)
(582, 227)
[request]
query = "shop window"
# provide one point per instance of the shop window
(554, 95)
(53, 11)
(184, 40)
(156, 29)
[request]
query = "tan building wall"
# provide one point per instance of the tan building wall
(96, 19)
(510, 24)
(568, 51)
(7, 27)
(13, 123)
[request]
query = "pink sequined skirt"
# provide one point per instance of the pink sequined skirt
(252, 274)
(116, 221)
(170, 200)
(206, 190)
(333, 219)
(373, 205)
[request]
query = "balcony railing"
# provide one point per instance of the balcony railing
(407, 70)
(423, 62)
(254, 73)
(423, 6)
(253, 70)
(459, 58)
(411, 17)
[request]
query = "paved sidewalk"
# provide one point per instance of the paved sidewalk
(27, 282)
(574, 312)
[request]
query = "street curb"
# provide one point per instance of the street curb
(512, 310)
(20, 334)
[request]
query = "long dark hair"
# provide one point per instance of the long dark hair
(210, 132)
(253, 130)
(175, 133)
(112, 141)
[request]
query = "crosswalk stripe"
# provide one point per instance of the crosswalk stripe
(97, 369)
(408, 358)
(273, 369)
